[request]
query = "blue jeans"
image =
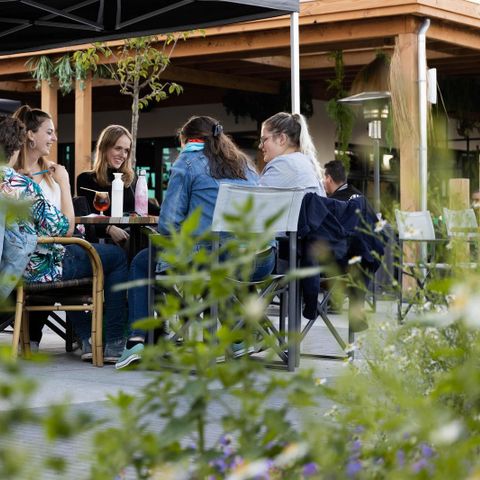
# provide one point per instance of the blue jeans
(76, 264)
(138, 296)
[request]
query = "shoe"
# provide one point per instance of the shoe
(86, 350)
(34, 346)
(113, 351)
(239, 349)
(130, 355)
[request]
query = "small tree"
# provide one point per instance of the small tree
(136, 65)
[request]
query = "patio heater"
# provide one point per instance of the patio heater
(376, 107)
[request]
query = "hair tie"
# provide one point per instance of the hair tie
(217, 129)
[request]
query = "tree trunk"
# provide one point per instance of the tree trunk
(135, 115)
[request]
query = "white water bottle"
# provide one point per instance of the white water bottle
(117, 195)
(141, 195)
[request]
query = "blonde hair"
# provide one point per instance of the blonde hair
(32, 118)
(107, 139)
(295, 127)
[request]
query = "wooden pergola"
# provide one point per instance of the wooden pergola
(254, 56)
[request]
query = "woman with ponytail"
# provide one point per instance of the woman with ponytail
(208, 158)
(289, 154)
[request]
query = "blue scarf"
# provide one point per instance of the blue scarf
(193, 147)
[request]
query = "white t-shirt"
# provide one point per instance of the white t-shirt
(52, 193)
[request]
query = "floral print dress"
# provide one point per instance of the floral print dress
(45, 263)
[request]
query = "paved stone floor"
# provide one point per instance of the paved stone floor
(66, 379)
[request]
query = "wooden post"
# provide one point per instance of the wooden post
(459, 193)
(49, 104)
(459, 199)
(407, 45)
(83, 126)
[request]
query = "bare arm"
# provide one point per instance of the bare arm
(60, 175)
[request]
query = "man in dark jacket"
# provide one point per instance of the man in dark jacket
(337, 187)
(336, 184)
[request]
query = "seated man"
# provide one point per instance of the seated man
(337, 187)
(336, 184)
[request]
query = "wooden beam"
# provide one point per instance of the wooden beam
(83, 126)
(466, 38)
(210, 79)
(49, 104)
(221, 80)
(320, 60)
(20, 87)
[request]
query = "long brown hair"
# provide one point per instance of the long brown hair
(107, 139)
(225, 159)
(32, 118)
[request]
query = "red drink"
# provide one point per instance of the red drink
(101, 201)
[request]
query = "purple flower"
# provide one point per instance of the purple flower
(420, 465)
(426, 450)
(310, 469)
(359, 429)
(356, 445)
(401, 458)
(354, 467)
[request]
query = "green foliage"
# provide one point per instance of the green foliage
(191, 382)
(341, 114)
(42, 68)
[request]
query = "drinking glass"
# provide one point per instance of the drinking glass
(101, 201)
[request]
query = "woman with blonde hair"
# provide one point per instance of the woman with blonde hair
(112, 155)
(289, 154)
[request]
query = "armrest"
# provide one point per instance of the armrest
(97, 267)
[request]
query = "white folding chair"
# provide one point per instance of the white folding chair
(415, 227)
(461, 223)
(267, 202)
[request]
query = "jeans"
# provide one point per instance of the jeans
(76, 264)
(138, 296)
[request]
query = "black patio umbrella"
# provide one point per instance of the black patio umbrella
(30, 25)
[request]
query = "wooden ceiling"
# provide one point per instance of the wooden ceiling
(255, 56)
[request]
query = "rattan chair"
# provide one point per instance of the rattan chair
(85, 294)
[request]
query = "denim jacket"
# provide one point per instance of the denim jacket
(16, 247)
(191, 186)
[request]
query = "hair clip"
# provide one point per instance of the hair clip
(217, 129)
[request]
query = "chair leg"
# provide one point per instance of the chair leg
(97, 329)
(17, 326)
(27, 353)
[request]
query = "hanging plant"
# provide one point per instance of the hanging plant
(64, 73)
(41, 68)
(341, 114)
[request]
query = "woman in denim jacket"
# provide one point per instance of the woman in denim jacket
(208, 158)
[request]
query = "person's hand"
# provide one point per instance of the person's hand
(59, 174)
(118, 235)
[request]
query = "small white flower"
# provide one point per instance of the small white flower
(291, 453)
(354, 260)
(250, 470)
(254, 307)
(320, 381)
(411, 232)
(447, 434)
(350, 348)
(380, 225)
